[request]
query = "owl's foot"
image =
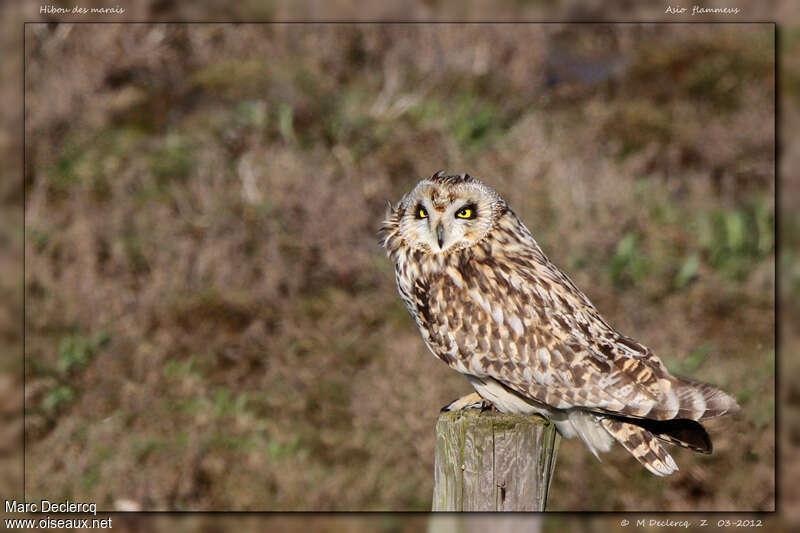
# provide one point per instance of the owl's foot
(470, 401)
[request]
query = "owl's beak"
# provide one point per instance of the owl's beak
(440, 234)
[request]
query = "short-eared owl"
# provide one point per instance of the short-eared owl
(491, 305)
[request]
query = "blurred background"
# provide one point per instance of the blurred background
(211, 324)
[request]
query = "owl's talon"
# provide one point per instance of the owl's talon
(470, 401)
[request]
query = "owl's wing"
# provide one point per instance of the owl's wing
(538, 335)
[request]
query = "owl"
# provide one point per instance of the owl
(492, 306)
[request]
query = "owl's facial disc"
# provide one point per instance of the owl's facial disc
(439, 219)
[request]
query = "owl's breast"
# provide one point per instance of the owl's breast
(468, 315)
(421, 283)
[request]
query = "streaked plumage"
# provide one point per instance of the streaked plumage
(491, 305)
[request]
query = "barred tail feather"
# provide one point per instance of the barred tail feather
(699, 400)
(689, 399)
(642, 444)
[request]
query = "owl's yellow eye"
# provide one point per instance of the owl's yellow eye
(422, 212)
(466, 212)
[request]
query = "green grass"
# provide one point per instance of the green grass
(58, 398)
(172, 160)
(692, 362)
(688, 271)
(77, 351)
(733, 241)
(629, 264)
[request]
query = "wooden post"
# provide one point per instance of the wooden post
(488, 461)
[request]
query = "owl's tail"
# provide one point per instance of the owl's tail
(699, 400)
(641, 437)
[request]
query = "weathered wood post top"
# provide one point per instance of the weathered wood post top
(489, 461)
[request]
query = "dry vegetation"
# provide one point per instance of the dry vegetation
(212, 325)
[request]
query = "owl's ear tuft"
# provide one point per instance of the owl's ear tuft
(390, 223)
(390, 214)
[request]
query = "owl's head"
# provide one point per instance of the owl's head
(447, 213)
